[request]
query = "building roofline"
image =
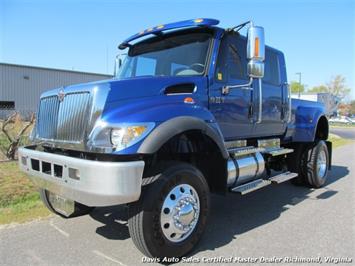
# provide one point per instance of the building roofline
(56, 69)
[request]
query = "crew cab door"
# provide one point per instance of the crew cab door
(232, 111)
(274, 97)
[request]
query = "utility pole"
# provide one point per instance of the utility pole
(300, 83)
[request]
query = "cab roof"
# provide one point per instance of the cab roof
(158, 30)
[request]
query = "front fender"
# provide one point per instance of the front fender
(171, 116)
(175, 126)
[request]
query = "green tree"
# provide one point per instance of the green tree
(337, 86)
(296, 87)
(320, 88)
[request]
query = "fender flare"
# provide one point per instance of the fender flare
(168, 129)
(321, 116)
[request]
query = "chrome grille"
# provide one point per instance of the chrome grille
(64, 120)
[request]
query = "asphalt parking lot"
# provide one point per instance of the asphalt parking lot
(283, 221)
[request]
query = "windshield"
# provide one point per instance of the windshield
(176, 55)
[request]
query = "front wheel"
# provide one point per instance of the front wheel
(171, 214)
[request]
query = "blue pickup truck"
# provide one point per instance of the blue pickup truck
(193, 109)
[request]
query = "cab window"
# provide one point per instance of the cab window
(232, 62)
(271, 74)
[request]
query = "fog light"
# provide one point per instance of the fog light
(74, 173)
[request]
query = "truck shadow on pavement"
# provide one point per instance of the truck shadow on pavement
(232, 215)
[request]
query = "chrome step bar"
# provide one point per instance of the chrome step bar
(235, 144)
(277, 179)
(260, 183)
(251, 186)
(245, 150)
(278, 151)
(251, 149)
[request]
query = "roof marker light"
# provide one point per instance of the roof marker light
(199, 20)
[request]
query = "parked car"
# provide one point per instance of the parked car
(342, 120)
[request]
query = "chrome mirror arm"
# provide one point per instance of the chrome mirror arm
(289, 103)
(260, 113)
(226, 89)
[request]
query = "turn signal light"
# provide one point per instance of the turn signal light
(189, 100)
(256, 48)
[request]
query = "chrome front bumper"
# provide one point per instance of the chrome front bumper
(93, 183)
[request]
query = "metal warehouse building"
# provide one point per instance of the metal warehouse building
(21, 86)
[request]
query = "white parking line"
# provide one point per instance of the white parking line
(98, 253)
(58, 229)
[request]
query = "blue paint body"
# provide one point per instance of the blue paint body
(142, 99)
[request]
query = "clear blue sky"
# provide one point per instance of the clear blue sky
(317, 37)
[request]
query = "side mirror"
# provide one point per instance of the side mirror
(118, 64)
(256, 51)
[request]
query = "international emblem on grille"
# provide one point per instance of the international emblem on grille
(61, 95)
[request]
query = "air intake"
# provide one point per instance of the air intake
(183, 88)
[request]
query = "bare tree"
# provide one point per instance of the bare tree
(337, 86)
(14, 138)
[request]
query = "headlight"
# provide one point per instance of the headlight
(118, 136)
(127, 136)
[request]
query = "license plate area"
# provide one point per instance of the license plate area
(62, 205)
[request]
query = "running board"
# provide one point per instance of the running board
(278, 151)
(251, 186)
(260, 183)
(245, 150)
(277, 179)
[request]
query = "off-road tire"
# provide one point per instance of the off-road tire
(313, 178)
(304, 162)
(144, 215)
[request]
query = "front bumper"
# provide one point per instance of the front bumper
(93, 183)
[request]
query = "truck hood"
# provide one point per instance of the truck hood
(135, 88)
(141, 87)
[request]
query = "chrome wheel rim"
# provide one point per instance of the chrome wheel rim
(321, 164)
(180, 213)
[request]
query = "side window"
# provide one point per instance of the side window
(221, 66)
(238, 58)
(271, 74)
(175, 68)
(231, 62)
(145, 66)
